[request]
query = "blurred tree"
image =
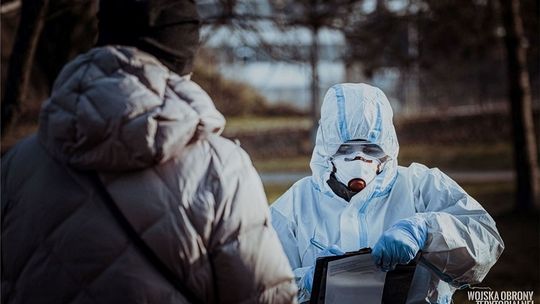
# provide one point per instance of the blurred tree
(378, 39)
(31, 23)
(525, 153)
(456, 46)
(232, 98)
(284, 16)
(70, 29)
(66, 28)
(313, 15)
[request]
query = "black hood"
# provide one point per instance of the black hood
(167, 29)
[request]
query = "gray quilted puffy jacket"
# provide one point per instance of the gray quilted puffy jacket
(193, 196)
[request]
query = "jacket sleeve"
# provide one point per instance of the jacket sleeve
(6, 160)
(463, 241)
(248, 260)
(286, 233)
(8, 183)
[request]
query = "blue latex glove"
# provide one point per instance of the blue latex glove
(400, 243)
(329, 251)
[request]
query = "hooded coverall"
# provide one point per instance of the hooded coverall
(462, 239)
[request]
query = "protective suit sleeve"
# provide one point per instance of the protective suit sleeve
(282, 214)
(248, 262)
(286, 234)
(462, 238)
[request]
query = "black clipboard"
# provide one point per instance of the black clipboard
(396, 284)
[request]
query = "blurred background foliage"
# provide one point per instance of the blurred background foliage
(235, 98)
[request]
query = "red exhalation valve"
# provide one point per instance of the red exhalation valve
(356, 184)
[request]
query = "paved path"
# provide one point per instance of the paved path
(461, 177)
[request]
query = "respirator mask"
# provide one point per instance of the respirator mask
(357, 163)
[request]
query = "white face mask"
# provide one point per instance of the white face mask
(356, 170)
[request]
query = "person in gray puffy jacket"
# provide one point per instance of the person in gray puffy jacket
(192, 196)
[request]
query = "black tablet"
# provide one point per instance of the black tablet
(396, 285)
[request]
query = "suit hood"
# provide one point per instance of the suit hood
(117, 108)
(354, 111)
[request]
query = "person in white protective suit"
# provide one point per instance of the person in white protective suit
(359, 197)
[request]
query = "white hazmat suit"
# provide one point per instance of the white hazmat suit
(462, 240)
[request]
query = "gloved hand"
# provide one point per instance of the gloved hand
(400, 243)
(329, 251)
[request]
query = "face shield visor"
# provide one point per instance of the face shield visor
(360, 146)
(352, 146)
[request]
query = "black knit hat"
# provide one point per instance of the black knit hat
(167, 29)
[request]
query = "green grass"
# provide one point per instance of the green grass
(456, 158)
(251, 124)
(479, 157)
(290, 164)
(274, 191)
(465, 157)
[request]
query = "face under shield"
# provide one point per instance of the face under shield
(357, 163)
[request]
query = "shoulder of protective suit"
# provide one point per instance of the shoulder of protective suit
(285, 202)
(301, 186)
(419, 169)
(421, 176)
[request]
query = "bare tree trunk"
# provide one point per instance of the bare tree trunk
(20, 64)
(526, 162)
(314, 63)
(412, 88)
